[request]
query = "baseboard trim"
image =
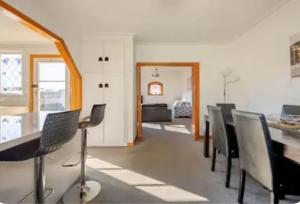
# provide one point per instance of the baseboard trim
(132, 144)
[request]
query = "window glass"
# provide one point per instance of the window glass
(155, 88)
(11, 73)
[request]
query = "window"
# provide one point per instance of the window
(11, 73)
(155, 88)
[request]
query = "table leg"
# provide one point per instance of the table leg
(206, 140)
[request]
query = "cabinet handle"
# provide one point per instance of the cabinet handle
(100, 59)
(100, 86)
(106, 59)
(106, 85)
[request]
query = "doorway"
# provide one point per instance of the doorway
(49, 84)
(195, 92)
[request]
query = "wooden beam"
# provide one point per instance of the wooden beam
(75, 76)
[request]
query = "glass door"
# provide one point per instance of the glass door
(51, 88)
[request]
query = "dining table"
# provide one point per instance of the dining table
(286, 141)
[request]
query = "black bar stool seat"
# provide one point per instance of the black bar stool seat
(58, 129)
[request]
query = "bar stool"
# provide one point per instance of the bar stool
(86, 190)
(58, 129)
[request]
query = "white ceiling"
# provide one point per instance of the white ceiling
(14, 32)
(158, 21)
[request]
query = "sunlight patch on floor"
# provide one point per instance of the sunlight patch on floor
(131, 177)
(144, 183)
(152, 126)
(95, 163)
(172, 194)
(178, 129)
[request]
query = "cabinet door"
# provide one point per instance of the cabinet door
(92, 94)
(114, 114)
(90, 57)
(115, 53)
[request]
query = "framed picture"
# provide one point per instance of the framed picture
(295, 55)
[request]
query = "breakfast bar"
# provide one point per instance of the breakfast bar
(17, 177)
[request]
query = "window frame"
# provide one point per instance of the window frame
(155, 83)
(16, 52)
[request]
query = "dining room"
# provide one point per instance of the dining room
(102, 70)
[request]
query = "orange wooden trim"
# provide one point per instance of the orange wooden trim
(31, 74)
(30, 23)
(195, 98)
(75, 76)
(75, 79)
(155, 83)
(167, 64)
(195, 92)
(139, 102)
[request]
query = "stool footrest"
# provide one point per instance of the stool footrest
(73, 161)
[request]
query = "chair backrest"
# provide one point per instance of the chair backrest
(255, 146)
(227, 108)
(218, 128)
(58, 129)
(97, 114)
(290, 110)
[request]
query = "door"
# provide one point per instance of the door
(50, 84)
(92, 94)
(114, 114)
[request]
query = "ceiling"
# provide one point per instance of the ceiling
(14, 32)
(158, 21)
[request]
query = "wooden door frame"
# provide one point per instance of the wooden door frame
(195, 92)
(75, 76)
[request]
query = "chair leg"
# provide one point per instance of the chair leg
(39, 180)
(228, 172)
(213, 161)
(242, 186)
(274, 198)
(83, 160)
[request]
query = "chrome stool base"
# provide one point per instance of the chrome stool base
(90, 191)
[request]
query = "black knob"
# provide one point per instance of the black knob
(100, 86)
(106, 59)
(100, 59)
(106, 85)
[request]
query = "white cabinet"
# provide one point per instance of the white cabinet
(103, 82)
(99, 57)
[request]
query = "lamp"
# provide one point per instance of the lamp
(226, 74)
(155, 73)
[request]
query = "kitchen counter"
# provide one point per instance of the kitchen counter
(19, 129)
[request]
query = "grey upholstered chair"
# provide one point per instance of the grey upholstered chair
(227, 108)
(290, 110)
(258, 158)
(222, 141)
(58, 129)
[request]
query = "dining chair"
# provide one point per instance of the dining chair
(227, 108)
(258, 159)
(290, 110)
(222, 140)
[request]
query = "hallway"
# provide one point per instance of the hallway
(167, 166)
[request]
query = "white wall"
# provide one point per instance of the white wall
(261, 59)
(212, 58)
(26, 50)
(175, 84)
